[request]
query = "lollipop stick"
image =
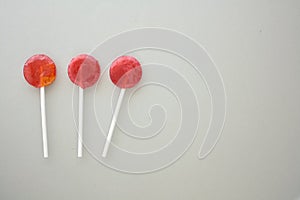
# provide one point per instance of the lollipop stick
(113, 122)
(44, 126)
(80, 122)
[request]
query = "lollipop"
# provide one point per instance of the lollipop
(84, 71)
(40, 71)
(125, 72)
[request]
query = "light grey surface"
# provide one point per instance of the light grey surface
(256, 47)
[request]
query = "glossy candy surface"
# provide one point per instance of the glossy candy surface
(84, 70)
(39, 71)
(125, 72)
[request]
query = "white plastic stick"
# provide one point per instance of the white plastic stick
(113, 122)
(80, 122)
(44, 126)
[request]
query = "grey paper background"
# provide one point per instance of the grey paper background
(255, 45)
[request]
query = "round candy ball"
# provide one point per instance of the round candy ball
(84, 70)
(125, 72)
(39, 71)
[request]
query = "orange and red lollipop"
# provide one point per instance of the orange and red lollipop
(40, 71)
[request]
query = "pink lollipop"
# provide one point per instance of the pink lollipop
(84, 71)
(125, 72)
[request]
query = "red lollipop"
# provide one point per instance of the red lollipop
(40, 71)
(84, 71)
(125, 72)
